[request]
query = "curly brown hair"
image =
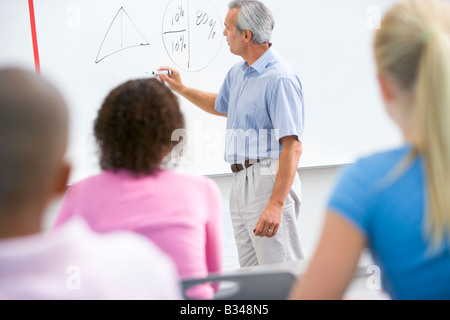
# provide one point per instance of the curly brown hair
(134, 126)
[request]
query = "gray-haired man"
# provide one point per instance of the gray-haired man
(261, 95)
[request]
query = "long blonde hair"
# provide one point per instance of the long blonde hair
(412, 47)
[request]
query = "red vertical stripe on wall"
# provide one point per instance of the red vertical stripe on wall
(34, 37)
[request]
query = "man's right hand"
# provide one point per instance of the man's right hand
(203, 100)
(174, 80)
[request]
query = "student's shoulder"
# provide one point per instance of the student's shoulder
(118, 245)
(359, 183)
(377, 165)
(188, 179)
(385, 159)
(99, 178)
(125, 260)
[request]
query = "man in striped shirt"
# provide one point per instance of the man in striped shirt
(262, 100)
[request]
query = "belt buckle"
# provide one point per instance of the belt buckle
(238, 167)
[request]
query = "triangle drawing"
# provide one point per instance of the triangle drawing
(122, 34)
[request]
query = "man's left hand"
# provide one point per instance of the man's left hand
(269, 222)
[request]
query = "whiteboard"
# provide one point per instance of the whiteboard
(86, 48)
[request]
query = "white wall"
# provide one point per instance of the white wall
(71, 34)
(317, 183)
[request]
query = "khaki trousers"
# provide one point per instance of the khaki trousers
(250, 194)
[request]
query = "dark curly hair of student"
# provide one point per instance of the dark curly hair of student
(135, 124)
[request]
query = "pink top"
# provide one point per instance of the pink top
(180, 213)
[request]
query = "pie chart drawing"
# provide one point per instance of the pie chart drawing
(192, 33)
(122, 34)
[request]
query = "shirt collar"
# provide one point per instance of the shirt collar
(261, 64)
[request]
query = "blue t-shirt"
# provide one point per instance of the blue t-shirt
(264, 103)
(390, 213)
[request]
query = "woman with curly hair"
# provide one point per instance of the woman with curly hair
(178, 212)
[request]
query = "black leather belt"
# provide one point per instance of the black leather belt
(237, 167)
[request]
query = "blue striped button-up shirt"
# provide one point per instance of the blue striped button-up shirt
(264, 103)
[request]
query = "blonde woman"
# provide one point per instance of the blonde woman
(397, 203)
